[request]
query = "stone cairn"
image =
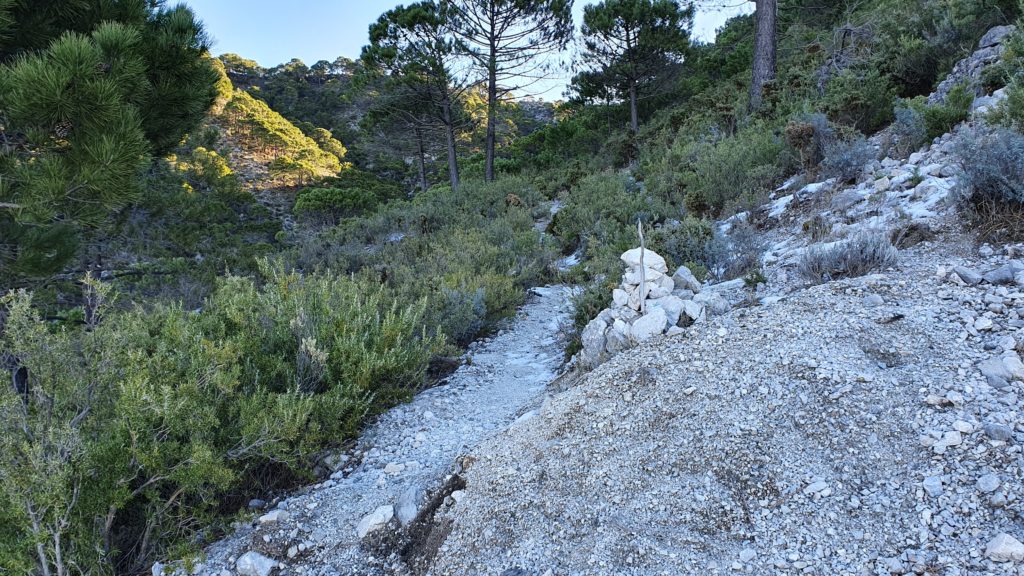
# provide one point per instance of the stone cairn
(662, 304)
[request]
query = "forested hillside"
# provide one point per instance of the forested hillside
(215, 275)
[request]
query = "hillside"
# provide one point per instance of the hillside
(745, 306)
(853, 411)
(264, 148)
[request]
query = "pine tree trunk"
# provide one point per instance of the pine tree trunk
(449, 128)
(492, 115)
(764, 49)
(634, 120)
(422, 159)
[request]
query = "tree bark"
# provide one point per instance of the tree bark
(634, 119)
(764, 49)
(449, 128)
(492, 115)
(422, 159)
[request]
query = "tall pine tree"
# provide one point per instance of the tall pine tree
(412, 45)
(511, 41)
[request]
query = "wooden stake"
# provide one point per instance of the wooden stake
(643, 269)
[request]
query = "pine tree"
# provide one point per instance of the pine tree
(510, 41)
(81, 110)
(412, 45)
(632, 49)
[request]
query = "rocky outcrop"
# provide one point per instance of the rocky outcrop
(969, 70)
(648, 303)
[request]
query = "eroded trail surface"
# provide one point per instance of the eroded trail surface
(404, 464)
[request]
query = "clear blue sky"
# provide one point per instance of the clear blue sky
(271, 32)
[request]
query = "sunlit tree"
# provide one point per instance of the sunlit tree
(511, 42)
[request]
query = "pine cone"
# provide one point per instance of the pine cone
(63, 129)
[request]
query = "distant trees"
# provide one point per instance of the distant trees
(631, 48)
(412, 45)
(87, 92)
(507, 39)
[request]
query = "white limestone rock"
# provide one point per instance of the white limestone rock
(650, 325)
(651, 260)
(374, 520)
(1004, 548)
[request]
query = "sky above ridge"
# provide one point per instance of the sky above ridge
(272, 32)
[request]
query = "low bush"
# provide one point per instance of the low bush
(1013, 108)
(942, 118)
(850, 258)
(684, 242)
(337, 203)
(991, 184)
(736, 254)
(809, 136)
(845, 159)
(380, 188)
(602, 212)
(1010, 73)
(730, 174)
(860, 98)
(470, 254)
(908, 132)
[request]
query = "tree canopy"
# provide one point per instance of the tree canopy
(414, 47)
(511, 42)
(82, 109)
(632, 47)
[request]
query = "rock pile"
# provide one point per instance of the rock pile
(648, 303)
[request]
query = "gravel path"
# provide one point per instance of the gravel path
(407, 458)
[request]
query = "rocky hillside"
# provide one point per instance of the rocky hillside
(859, 426)
(264, 148)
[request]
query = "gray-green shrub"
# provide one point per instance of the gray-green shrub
(856, 256)
(846, 159)
(990, 187)
(908, 132)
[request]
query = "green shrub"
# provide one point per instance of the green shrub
(732, 173)
(141, 424)
(684, 242)
(1010, 112)
(336, 202)
(468, 253)
(382, 189)
(207, 170)
(602, 211)
(942, 118)
(860, 98)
